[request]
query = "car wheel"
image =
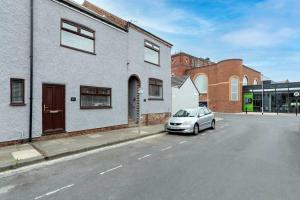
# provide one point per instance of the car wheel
(213, 124)
(196, 129)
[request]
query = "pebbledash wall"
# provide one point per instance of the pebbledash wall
(218, 77)
(153, 111)
(119, 54)
(14, 63)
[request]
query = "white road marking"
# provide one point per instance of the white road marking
(110, 170)
(182, 142)
(164, 149)
(72, 157)
(145, 156)
(54, 191)
(6, 189)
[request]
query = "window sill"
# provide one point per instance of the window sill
(152, 63)
(155, 99)
(95, 107)
(17, 104)
(75, 49)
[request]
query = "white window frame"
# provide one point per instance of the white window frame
(245, 78)
(231, 89)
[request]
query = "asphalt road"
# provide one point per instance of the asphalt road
(246, 157)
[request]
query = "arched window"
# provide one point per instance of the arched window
(245, 80)
(234, 89)
(201, 83)
(255, 82)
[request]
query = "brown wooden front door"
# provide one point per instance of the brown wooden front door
(53, 108)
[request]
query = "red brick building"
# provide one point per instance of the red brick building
(220, 83)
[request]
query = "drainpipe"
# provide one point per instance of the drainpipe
(31, 71)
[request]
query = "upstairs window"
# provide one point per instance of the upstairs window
(234, 89)
(255, 82)
(152, 52)
(77, 37)
(155, 89)
(17, 92)
(95, 97)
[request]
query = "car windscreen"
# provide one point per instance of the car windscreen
(186, 113)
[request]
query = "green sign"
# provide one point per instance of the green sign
(248, 102)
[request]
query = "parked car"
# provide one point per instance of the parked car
(191, 121)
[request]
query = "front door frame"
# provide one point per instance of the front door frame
(64, 108)
(137, 110)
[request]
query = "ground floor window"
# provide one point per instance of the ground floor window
(17, 92)
(95, 97)
(155, 89)
(279, 101)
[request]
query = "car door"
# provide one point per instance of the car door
(201, 118)
(208, 117)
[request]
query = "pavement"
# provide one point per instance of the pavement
(245, 157)
(20, 155)
(259, 113)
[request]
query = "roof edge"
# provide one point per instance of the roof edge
(251, 69)
(89, 12)
(183, 53)
(150, 34)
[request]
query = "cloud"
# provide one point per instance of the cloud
(159, 16)
(264, 33)
(259, 37)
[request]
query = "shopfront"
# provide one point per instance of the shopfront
(277, 97)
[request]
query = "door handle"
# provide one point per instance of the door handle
(55, 111)
(45, 108)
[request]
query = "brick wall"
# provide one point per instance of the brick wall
(155, 118)
(182, 62)
(219, 75)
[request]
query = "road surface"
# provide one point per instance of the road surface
(246, 157)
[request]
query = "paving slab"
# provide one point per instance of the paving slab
(65, 146)
(18, 155)
(24, 154)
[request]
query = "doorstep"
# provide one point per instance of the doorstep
(25, 154)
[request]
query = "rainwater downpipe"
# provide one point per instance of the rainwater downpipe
(31, 72)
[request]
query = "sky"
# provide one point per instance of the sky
(264, 33)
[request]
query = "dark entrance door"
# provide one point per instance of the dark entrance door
(53, 108)
(133, 99)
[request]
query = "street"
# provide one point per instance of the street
(245, 157)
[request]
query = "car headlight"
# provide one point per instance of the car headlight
(188, 123)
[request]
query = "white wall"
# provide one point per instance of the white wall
(14, 63)
(186, 96)
(145, 71)
(59, 65)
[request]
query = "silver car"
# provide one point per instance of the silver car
(191, 121)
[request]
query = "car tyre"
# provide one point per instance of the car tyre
(196, 129)
(213, 124)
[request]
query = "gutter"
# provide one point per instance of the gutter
(149, 34)
(88, 12)
(31, 71)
